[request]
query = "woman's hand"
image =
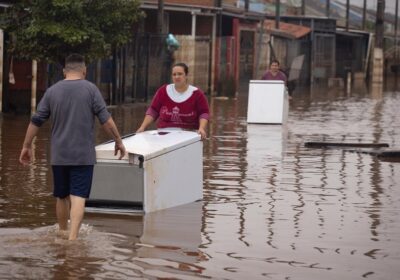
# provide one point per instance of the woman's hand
(202, 133)
(202, 129)
(146, 122)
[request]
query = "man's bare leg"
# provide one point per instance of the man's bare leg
(62, 212)
(76, 215)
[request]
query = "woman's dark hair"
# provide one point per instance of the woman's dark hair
(274, 61)
(183, 65)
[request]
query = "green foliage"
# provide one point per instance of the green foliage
(51, 29)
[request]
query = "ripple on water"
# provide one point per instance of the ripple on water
(45, 252)
(272, 209)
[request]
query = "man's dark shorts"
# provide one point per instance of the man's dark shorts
(72, 179)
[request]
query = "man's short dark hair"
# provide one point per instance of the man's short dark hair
(74, 62)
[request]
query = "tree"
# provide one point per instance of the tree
(51, 29)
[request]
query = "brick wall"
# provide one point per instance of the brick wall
(195, 53)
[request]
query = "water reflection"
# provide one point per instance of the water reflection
(272, 208)
(110, 246)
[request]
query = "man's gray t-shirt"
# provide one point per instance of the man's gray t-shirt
(72, 106)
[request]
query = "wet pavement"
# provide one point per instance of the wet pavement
(272, 208)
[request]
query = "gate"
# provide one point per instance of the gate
(324, 58)
(151, 66)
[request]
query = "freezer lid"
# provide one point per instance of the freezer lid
(266, 82)
(149, 144)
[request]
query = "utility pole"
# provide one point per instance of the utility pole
(364, 21)
(165, 55)
(33, 86)
(1, 68)
(395, 30)
(277, 13)
(303, 7)
(160, 17)
(378, 60)
(218, 4)
(216, 51)
(347, 14)
(328, 7)
(246, 5)
(379, 30)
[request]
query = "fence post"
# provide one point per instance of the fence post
(1, 68)
(33, 86)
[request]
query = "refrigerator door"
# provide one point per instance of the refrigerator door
(117, 185)
(109, 177)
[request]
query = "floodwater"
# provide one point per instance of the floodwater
(272, 208)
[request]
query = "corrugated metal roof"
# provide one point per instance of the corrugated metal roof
(152, 4)
(288, 30)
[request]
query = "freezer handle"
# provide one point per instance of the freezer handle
(136, 159)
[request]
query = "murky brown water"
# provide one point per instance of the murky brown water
(272, 208)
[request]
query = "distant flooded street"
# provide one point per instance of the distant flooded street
(272, 208)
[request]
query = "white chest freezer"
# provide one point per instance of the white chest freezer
(268, 102)
(161, 169)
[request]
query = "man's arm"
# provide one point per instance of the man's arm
(26, 152)
(110, 127)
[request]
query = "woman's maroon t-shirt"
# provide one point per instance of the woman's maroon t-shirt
(184, 114)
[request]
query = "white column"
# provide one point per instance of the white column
(33, 86)
(213, 44)
(193, 24)
(1, 68)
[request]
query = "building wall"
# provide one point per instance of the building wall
(224, 81)
(262, 53)
(150, 21)
(280, 48)
(239, 26)
(195, 52)
(204, 25)
(180, 23)
(230, 2)
(23, 76)
(18, 96)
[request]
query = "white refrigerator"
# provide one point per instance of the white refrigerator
(268, 102)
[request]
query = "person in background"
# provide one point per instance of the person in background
(72, 105)
(178, 105)
(274, 72)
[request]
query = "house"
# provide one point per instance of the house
(320, 63)
(224, 43)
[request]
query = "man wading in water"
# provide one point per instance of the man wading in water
(72, 105)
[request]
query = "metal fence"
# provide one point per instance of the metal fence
(323, 58)
(137, 70)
